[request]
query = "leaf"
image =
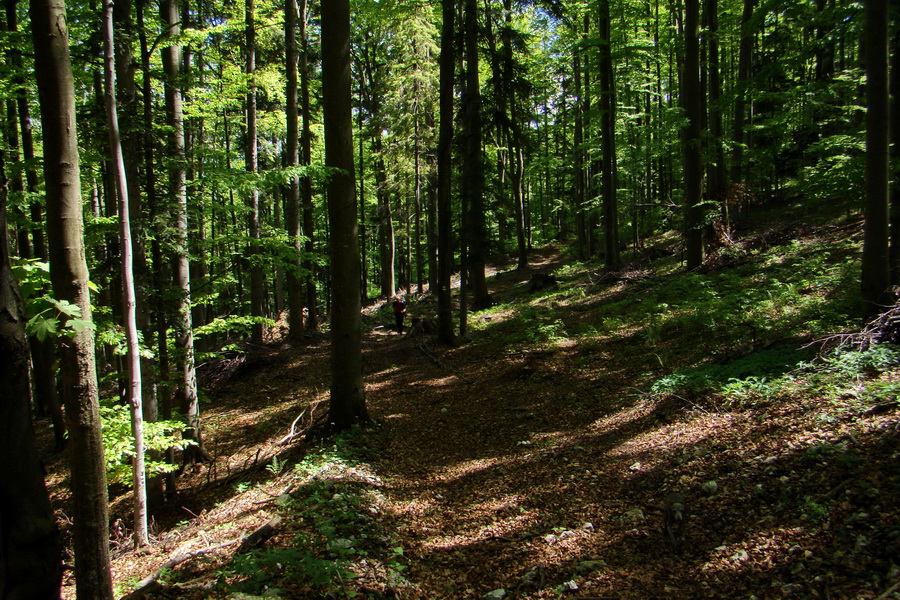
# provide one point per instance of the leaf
(42, 327)
(66, 307)
(79, 325)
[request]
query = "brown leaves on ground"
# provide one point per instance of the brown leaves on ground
(543, 471)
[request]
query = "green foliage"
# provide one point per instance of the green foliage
(118, 443)
(47, 316)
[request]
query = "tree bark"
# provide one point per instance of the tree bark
(30, 547)
(876, 255)
(251, 158)
(692, 97)
(69, 274)
(444, 179)
(745, 55)
(612, 259)
(184, 336)
(347, 406)
(473, 165)
(292, 201)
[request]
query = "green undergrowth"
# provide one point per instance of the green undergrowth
(745, 324)
(334, 547)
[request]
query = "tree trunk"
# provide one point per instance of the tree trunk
(69, 274)
(741, 89)
(133, 357)
(473, 169)
(347, 406)
(608, 141)
(30, 547)
(184, 336)
(692, 98)
(876, 256)
(292, 201)
(312, 313)
(445, 175)
(251, 157)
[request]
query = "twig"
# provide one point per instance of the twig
(290, 436)
(428, 352)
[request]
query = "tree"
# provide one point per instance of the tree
(251, 160)
(69, 274)
(133, 355)
(473, 169)
(444, 167)
(608, 135)
(171, 55)
(30, 564)
(292, 202)
(347, 406)
(876, 256)
(692, 101)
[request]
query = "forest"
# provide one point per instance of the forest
(449, 299)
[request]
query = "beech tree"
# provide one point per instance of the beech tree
(347, 406)
(69, 274)
(30, 564)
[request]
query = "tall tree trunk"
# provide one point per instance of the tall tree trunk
(347, 406)
(692, 101)
(608, 141)
(69, 274)
(716, 169)
(473, 165)
(292, 201)
(133, 356)
(184, 336)
(309, 230)
(745, 56)
(876, 255)
(30, 547)
(444, 167)
(251, 158)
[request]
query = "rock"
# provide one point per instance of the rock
(497, 594)
(635, 467)
(589, 527)
(339, 544)
(569, 586)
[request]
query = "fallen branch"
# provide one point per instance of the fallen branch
(150, 583)
(260, 536)
(890, 591)
(290, 435)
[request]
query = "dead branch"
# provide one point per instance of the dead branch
(260, 536)
(150, 584)
(290, 436)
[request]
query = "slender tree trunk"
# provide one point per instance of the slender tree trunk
(348, 405)
(309, 230)
(69, 274)
(895, 159)
(292, 202)
(133, 357)
(184, 336)
(30, 547)
(251, 158)
(740, 104)
(692, 99)
(473, 165)
(876, 255)
(608, 141)
(444, 166)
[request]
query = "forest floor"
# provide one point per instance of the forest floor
(531, 464)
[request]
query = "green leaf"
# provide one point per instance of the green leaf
(42, 327)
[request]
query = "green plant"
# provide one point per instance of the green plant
(118, 443)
